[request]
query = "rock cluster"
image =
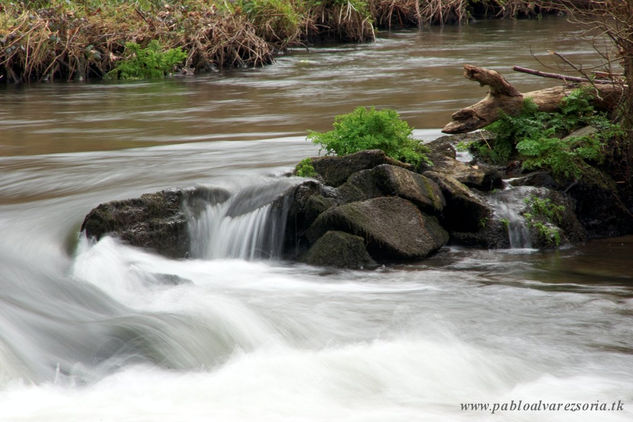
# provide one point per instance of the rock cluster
(366, 208)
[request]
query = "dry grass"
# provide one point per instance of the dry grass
(78, 40)
(345, 22)
(396, 13)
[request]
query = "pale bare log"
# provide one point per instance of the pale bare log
(502, 96)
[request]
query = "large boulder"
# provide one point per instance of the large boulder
(393, 227)
(306, 201)
(155, 221)
(388, 180)
(465, 211)
(339, 249)
(335, 170)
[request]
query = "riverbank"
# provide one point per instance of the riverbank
(62, 41)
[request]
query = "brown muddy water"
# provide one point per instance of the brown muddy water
(102, 331)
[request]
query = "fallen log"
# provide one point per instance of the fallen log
(503, 96)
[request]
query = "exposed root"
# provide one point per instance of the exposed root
(339, 22)
(396, 13)
(226, 42)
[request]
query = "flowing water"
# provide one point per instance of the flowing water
(106, 332)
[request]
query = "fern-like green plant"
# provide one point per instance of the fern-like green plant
(305, 168)
(540, 140)
(365, 129)
(151, 62)
(543, 215)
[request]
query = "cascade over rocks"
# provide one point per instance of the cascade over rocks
(366, 208)
(155, 221)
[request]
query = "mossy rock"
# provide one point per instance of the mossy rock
(389, 180)
(465, 211)
(339, 249)
(155, 221)
(394, 228)
(335, 170)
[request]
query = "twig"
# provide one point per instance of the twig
(560, 76)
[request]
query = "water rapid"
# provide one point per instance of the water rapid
(101, 331)
(250, 224)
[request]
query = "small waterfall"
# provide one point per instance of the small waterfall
(249, 225)
(508, 206)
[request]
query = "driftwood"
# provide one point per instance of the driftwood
(502, 96)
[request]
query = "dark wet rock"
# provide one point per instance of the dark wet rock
(572, 231)
(492, 234)
(465, 211)
(339, 249)
(600, 208)
(393, 227)
(306, 201)
(388, 180)
(155, 221)
(335, 170)
(537, 178)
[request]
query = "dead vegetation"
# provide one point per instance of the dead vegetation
(78, 40)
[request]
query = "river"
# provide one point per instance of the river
(105, 332)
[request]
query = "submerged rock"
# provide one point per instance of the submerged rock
(339, 249)
(393, 227)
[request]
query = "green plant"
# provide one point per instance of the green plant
(365, 129)
(540, 139)
(543, 215)
(305, 168)
(547, 232)
(545, 208)
(151, 62)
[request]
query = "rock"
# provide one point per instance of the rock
(420, 190)
(335, 170)
(537, 178)
(480, 176)
(444, 156)
(359, 186)
(388, 180)
(442, 147)
(492, 234)
(599, 207)
(339, 249)
(154, 221)
(393, 227)
(582, 132)
(571, 228)
(464, 211)
(307, 200)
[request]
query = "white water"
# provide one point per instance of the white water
(508, 205)
(246, 226)
(105, 332)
